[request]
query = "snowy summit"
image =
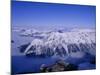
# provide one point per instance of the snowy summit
(60, 43)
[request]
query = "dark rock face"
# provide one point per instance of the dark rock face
(73, 48)
(23, 47)
(59, 65)
(71, 67)
(34, 55)
(59, 50)
(30, 54)
(60, 31)
(47, 52)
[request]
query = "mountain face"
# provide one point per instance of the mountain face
(60, 43)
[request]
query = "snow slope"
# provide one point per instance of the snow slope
(61, 43)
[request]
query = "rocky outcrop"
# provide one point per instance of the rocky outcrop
(59, 65)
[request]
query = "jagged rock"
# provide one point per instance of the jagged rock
(59, 65)
(73, 48)
(60, 50)
(44, 68)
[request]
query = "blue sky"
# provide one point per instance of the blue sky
(51, 15)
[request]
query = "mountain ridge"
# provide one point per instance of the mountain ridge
(62, 43)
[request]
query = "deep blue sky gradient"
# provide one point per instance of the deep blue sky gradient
(51, 15)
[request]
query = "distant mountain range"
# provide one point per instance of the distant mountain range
(60, 42)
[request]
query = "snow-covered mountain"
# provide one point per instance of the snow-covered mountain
(61, 43)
